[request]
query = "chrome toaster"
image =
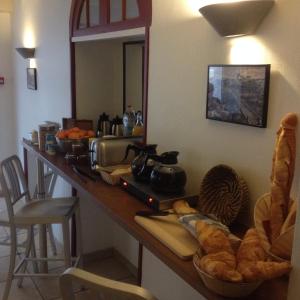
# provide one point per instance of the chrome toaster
(110, 151)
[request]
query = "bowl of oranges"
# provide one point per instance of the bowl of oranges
(66, 138)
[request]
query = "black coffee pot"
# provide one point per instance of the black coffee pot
(143, 163)
(166, 177)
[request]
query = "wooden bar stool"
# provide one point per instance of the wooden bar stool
(34, 212)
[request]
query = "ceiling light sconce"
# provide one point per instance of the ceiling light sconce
(236, 18)
(26, 52)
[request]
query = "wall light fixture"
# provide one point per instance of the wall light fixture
(26, 52)
(236, 18)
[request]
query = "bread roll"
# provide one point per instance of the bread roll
(181, 207)
(212, 239)
(221, 265)
(251, 248)
(282, 173)
(262, 270)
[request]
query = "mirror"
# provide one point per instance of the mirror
(133, 75)
(109, 77)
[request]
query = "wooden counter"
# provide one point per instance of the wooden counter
(121, 207)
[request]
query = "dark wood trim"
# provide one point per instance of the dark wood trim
(124, 10)
(143, 20)
(122, 207)
(25, 157)
(146, 82)
(140, 265)
(73, 80)
(73, 229)
(88, 23)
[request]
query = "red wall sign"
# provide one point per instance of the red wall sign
(1, 80)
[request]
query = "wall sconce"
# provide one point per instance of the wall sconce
(26, 52)
(237, 17)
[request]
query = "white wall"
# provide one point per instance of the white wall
(183, 44)
(7, 117)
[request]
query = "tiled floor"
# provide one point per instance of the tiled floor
(48, 289)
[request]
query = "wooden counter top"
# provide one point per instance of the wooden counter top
(122, 207)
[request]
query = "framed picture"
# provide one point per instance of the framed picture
(238, 94)
(31, 79)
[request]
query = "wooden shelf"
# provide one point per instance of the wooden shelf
(121, 207)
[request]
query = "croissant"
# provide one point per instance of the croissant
(250, 248)
(262, 270)
(221, 265)
(212, 239)
(181, 207)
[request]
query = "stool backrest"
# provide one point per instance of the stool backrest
(13, 183)
(100, 287)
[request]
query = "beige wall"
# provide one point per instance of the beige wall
(182, 46)
(6, 5)
(99, 73)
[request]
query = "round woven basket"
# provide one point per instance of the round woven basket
(283, 245)
(224, 288)
(223, 194)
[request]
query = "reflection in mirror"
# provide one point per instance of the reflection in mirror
(133, 75)
(83, 17)
(94, 11)
(116, 10)
(132, 10)
(101, 78)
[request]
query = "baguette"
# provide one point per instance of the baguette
(282, 173)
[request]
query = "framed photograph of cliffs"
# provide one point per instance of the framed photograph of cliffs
(238, 94)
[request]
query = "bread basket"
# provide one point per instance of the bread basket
(223, 193)
(107, 173)
(224, 288)
(283, 245)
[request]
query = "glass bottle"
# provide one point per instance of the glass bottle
(128, 121)
(138, 129)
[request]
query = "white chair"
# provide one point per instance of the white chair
(50, 179)
(37, 212)
(100, 288)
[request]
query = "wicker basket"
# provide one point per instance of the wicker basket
(223, 193)
(283, 245)
(225, 288)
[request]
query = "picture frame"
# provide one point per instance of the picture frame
(31, 78)
(238, 94)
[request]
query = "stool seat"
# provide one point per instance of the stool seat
(46, 211)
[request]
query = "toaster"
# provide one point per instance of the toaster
(110, 151)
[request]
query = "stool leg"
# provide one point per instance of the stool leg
(52, 239)
(79, 236)
(66, 239)
(27, 252)
(13, 252)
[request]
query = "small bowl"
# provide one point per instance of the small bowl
(225, 288)
(66, 145)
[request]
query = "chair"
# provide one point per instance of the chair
(100, 288)
(50, 179)
(34, 212)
